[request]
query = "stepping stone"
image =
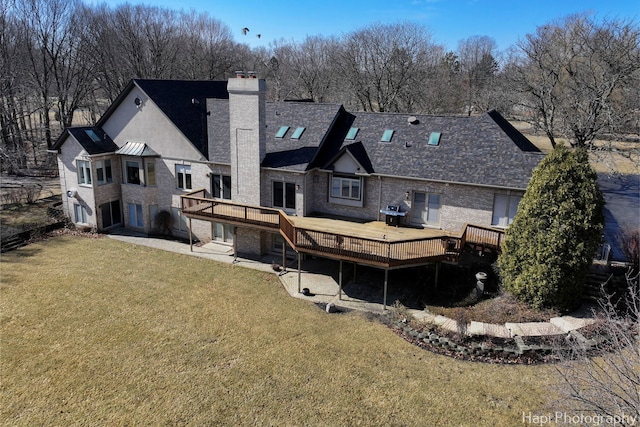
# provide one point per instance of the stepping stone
(570, 323)
(533, 329)
(489, 329)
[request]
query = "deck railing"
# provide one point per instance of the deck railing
(196, 205)
(486, 236)
(373, 251)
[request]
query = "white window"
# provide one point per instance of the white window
(284, 195)
(80, 212)
(132, 172)
(135, 215)
(84, 172)
(221, 186)
(150, 177)
(183, 175)
(346, 188)
(104, 174)
(505, 207)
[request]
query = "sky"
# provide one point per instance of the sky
(449, 21)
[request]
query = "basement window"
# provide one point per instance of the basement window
(434, 138)
(351, 135)
(282, 131)
(387, 135)
(298, 133)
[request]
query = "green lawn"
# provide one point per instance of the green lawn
(100, 332)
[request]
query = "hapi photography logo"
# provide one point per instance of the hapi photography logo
(566, 418)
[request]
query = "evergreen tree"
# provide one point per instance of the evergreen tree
(550, 245)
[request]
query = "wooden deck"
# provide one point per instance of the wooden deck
(373, 243)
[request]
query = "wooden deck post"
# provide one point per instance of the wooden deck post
(284, 256)
(386, 279)
(340, 282)
(437, 273)
(235, 245)
(299, 272)
(190, 237)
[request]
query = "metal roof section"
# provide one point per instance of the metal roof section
(136, 149)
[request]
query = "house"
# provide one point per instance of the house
(229, 166)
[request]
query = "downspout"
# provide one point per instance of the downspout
(379, 196)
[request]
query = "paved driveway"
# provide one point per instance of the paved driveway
(622, 209)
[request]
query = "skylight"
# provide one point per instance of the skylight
(282, 131)
(94, 137)
(387, 135)
(434, 138)
(298, 133)
(351, 135)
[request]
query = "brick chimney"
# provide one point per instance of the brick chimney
(247, 122)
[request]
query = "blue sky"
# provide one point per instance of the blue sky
(506, 21)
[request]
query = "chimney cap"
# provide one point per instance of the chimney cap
(240, 74)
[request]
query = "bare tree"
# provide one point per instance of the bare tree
(12, 153)
(575, 77)
(311, 63)
(207, 47)
(608, 384)
(476, 56)
(380, 64)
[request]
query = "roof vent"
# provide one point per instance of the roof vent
(413, 120)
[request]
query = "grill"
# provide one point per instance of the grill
(392, 214)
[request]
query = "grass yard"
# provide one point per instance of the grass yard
(100, 332)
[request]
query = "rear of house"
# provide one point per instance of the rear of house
(161, 140)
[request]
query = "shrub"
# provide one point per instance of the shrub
(630, 245)
(32, 192)
(550, 245)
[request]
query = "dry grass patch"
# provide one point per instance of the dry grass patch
(501, 309)
(100, 332)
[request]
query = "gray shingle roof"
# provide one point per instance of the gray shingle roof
(296, 154)
(182, 101)
(483, 150)
(285, 152)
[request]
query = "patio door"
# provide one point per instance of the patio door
(419, 208)
(425, 208)
(222, 232)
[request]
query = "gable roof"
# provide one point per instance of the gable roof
(296, 153)
(100, 143)
(482, 150)
(182, 101)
